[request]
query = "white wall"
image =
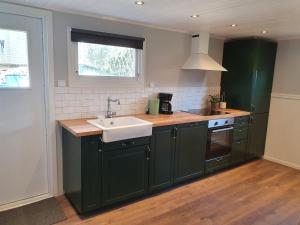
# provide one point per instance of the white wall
(166, 51)
(283, 137)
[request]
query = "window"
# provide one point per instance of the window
(107, 55)
(14, 72)
(106, 60)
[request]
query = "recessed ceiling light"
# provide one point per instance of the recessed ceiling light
(195, 16)
(264, 31)
(139, 2)
(233, 25)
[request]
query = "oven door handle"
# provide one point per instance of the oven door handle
(220, 130)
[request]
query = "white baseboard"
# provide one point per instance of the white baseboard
(282, 162)
(24, 202)
(285, 96)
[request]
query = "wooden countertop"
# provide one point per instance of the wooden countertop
(81, 128)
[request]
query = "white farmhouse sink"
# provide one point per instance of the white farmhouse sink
(122, 128)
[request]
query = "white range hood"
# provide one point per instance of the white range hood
(199, 59)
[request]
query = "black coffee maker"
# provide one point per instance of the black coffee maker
(165, 106)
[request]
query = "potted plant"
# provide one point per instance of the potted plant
(214, 102)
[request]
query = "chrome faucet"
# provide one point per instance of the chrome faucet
(109, 113)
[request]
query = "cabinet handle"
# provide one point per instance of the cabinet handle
(148, 153)
(219, 159)
(251, 120)
(124, 144)
(252, 108)
(175, 132)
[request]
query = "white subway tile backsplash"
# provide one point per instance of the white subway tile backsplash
(71, 102)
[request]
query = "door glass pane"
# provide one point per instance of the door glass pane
(14, 72)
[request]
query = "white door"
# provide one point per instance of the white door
(23, 158)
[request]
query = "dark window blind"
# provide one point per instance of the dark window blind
(95, 37)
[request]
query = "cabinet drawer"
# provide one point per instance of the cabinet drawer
(242, 119)
(125, 143)
(240, 133)
(243, 125)
(214, 165)
(194, 124)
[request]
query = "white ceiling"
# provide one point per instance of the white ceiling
(280, 17)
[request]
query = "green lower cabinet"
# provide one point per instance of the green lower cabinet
(190, 150)
(98, 174)
(81, 171)
(124, 174)
(240, 140)
(162, 157)
(238, 152)
(257, 135)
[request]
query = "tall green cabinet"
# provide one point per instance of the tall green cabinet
(248, 84)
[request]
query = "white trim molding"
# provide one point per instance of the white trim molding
(282, 162)
(24, 202)
(285, 96)
(46, 18)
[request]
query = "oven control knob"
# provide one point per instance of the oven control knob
(216, 123)
(226, 121)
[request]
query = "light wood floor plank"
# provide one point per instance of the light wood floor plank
(258, 193)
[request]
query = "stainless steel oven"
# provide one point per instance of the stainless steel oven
(219, 138)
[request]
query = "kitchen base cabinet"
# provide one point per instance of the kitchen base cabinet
(162, 157)
(98, 174)
(215, 165)
(81, 172)
(125, 174)
(190, 150)
(239, 151)
(240, 140)
(257, 135)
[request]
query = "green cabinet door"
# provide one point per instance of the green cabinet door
(162, 157)
(82, 174)
(263, 71)
(190, 150)
(238, 58)
(239, 151)
(257, 135)
(125, 173)
(91, 173)
(248, 81)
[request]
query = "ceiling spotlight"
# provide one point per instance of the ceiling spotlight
(139, 2)
(233, 25)
(264, 31)
(195, 16)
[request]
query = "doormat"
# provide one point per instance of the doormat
(45, 212)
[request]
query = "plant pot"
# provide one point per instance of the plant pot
(214, 106)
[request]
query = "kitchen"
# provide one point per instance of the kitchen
(108, 166)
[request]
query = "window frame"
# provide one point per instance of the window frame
(76, 80)
(29, 87)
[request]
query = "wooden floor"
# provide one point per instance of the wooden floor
(258, 193)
